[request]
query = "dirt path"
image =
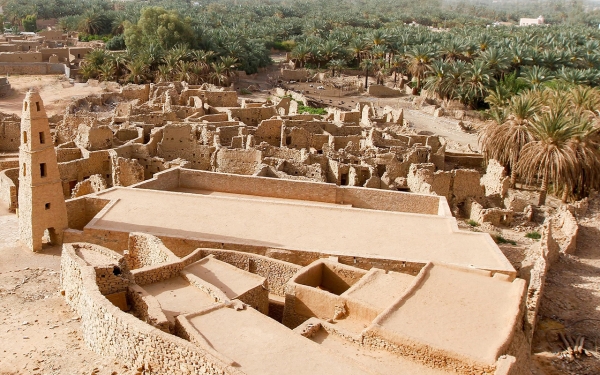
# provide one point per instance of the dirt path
(572, 301)
(54, 89)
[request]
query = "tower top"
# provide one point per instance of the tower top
(33, 106)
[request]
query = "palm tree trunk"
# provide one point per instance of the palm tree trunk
(513, 177)
(366, 78)
(544, 190)
(513, 171)
(565, 194)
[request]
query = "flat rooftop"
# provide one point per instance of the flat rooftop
(298, 225)
(177, 296)
(380, 289)
(460, 311)
(261, 346)
(229, 279)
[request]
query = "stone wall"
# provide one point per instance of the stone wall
(304, 190)
(380, 91)
(10, 134)
(108, 331)
(35, 68)
(277, 272)
(146, 250)
(9, 184)
(80, 211)
(159, 272)
(20, 57)
(147, 308)
(549, 252)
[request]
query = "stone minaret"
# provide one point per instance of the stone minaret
(41, 202)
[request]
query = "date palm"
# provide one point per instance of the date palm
(336, 65)
(586, 144)
(368, 66)
(551, 157)
(505, 140)
(137, 71)
(477, 78)
(420, 59)
(357, 46)
(106, 72)
(536, 76)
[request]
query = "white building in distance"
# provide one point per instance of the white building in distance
(531, 21)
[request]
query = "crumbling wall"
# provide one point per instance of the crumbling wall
(494, 180)
(244, 162)
(9, 185)
(422, 178)
(548, 251)
(90, 185)
(10, 134)
(294, 75)
(252, 116)
(269, 131)
(380, 91)
(94, 137)
(495, 216)
(565, 230)
(127, 172)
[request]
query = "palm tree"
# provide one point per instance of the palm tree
(420, 59)
(92, 22)
(217, 75)
(586, 144)
(497, 61)
(336, 65)
(230, 64)
(536, 76)
(551, 156)
(476, 80)
(106, 72)
(367, 65)
(137, 71)
(301, 53)
(164, 73)
(437, 83)
(504, 140)
(357, 47)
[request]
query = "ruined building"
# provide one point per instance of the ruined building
(183, 210)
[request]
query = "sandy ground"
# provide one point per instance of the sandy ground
(39, 333)
(56, 91)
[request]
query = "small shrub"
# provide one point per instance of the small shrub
(116, 43)
(501, 240)
(311, 110)
(473, 223)
(245, 92)
(534, 235)
(30, 23)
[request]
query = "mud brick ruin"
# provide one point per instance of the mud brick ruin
(47, 52)
(204, 234)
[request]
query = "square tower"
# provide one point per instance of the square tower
(41, 203)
